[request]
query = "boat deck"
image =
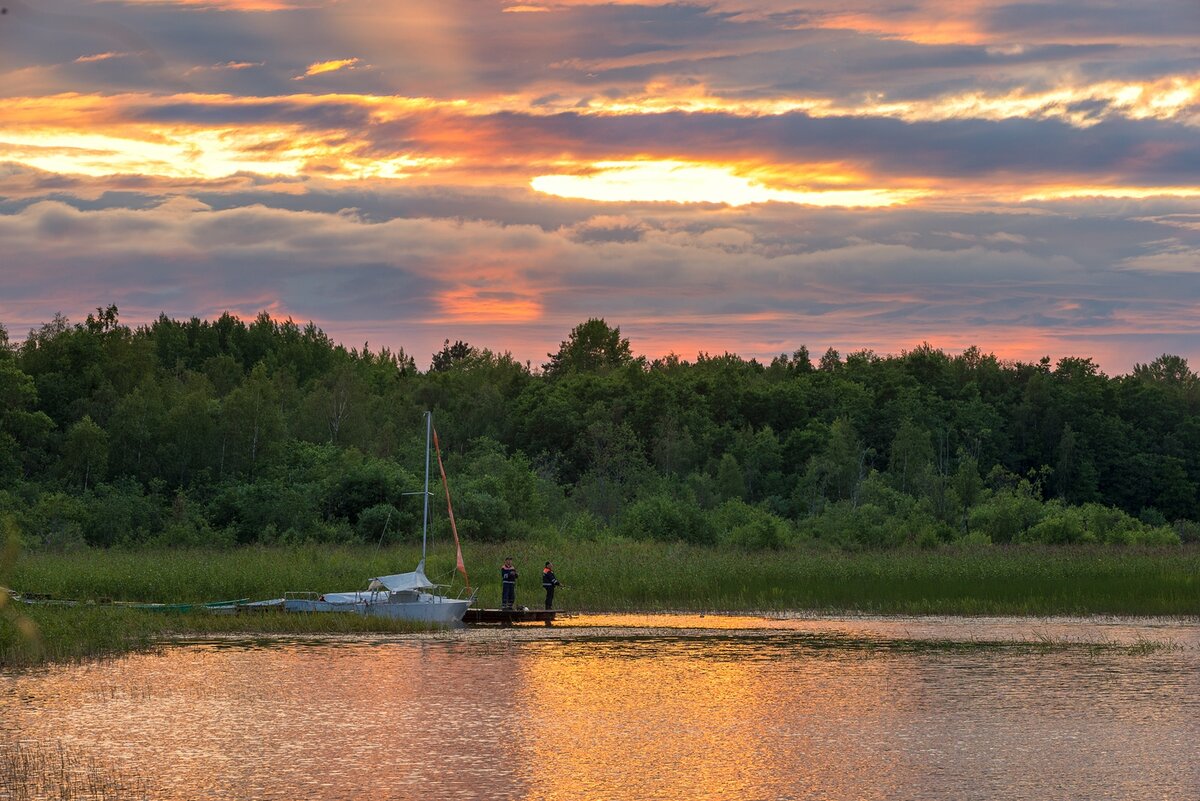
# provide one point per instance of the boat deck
(509, 617)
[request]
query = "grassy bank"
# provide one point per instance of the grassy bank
(598, 576)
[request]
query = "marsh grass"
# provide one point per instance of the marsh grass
(1020, 581)
(34, 771)
(611, 575)
(635, 575)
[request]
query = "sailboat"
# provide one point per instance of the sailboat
(404, 596)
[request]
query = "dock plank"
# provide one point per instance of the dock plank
(509, 617)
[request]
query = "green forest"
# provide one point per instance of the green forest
(216, 433)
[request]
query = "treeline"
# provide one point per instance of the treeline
(219, 432)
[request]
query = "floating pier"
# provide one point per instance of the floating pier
(509, 617)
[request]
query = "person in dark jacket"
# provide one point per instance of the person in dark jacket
(549, 582)
(508, 584)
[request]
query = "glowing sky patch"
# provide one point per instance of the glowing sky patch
(681, 182)
(1138, 192)
(321, 67)
(468, 304)
(1080, 104)
(190, 153)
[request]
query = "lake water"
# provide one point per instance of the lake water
(650, 707)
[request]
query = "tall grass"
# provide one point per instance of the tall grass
(598, 576)
(54, 772)
(626, 575)
(1019, 581)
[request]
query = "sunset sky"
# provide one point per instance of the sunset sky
(727, 175)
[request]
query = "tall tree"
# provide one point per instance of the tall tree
(592, 346)
(837, 471)
(910, 458)
(23, 428)
(451, 355)
(85, 452)
(252, 419)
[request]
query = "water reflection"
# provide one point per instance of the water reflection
(637, 708)
(690, 719)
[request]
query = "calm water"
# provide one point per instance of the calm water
(646, 708)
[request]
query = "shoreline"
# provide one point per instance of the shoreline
(619, 577)
(142, 632)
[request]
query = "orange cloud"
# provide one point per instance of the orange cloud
(468, 304)
(328, 66)
(504, 143)
(231, 5)
(683, 182)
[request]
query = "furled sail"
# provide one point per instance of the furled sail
(399, 582)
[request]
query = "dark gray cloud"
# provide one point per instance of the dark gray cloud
(1170, 19)
(748, 280)
(464, 48)
(1153, 151)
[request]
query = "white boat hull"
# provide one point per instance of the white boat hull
(419, 607)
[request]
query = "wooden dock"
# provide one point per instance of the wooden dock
(509, 617)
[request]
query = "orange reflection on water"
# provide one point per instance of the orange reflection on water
(642, 707)
(694, 718)
(284, 722)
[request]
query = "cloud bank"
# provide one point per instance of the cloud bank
(726, 175)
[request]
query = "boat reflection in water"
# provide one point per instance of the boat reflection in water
(635, 711)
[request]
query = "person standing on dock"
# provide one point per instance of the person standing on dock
(549, 582)
(508, 584)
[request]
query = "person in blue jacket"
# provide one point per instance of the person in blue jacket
(508, 584)
(549, 582)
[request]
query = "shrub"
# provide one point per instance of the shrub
(1187, 530)
(851, 527)
(1157, 536)
(380, 522)
(974, 540)
(56, 522)
(1006, 515)
(1063, 526)
(122, 514)
(759, 535)
(660, 517)
(750, 527)
(259, 511)
(582, 526)
(193, 534)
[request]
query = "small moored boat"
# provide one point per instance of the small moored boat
(403, 596)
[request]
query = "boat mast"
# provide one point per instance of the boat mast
(425, 518)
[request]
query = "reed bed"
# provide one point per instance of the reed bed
(638, 575)
(34, 771)
(1017, 581)
(598, 576)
